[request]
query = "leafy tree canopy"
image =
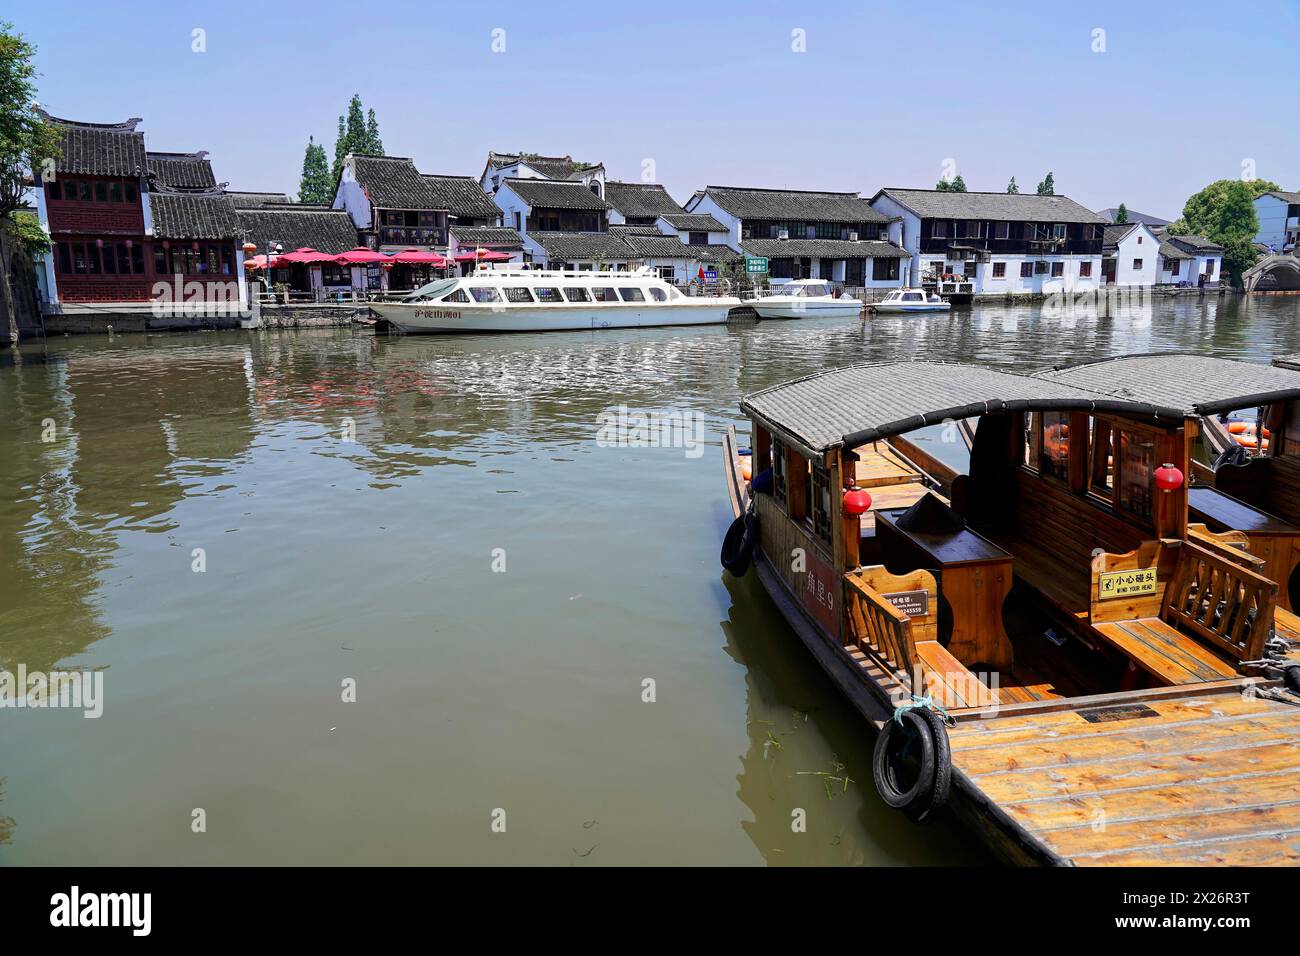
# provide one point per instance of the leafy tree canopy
(1121, 214)
(958, 185)
(316, 186)
(357, 134)
(1012, 187)
(1048, 186)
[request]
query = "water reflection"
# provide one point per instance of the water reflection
(349, 488)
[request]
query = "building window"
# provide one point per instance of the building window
(939, 229)
(883, 270)
(1002, 230)
(1058, 269)
(1139, 240)
(1209, 269)
(1058, 230)
(335, 275)
(1137, 265)
(1173, 267)
(1085, 270)
(54, 189)
(1026, 270)
(667, 273)
(698, 239)
(999, 270)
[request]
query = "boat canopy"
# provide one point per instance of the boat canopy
(857, 404)
(432, 288)
(1197, 384)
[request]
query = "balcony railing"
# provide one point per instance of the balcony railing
(1025, 247)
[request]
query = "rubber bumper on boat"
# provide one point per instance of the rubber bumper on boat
(739, 543)
(918, 732)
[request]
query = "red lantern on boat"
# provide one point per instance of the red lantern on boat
(1168, 477)
(856, 501)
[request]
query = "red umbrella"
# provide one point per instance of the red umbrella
(483, 255)
(259, 262)
(414, 257)
(361, 256)
(304, 255)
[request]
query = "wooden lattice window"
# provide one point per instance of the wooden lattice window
(779, 491)
(820, 503)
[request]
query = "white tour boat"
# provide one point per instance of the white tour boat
(537, 300)
(910, 300)
(805, 298)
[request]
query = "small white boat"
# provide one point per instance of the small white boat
(539, 300)
(910, 300)
(805, 298)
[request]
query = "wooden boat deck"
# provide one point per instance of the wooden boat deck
(1191, 780)
(891, 480)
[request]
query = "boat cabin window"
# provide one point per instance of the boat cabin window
(820, 502)
(517, 294)
(456, 296)
(1136, 461)
(548, 294)
(1101, 483)
(1054, 453)
(778, 471)
(576, 294)
(913, 297)
(485, 294)
(659, 295)
(604, 294)
(632, 294)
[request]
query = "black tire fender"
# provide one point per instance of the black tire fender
(738, 544)
(910, 726)
(923, 810)
(1291, 678)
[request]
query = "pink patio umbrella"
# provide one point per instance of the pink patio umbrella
(259, 262)
(304, 256)
(414, 257)
(361, 256)
(483, 255)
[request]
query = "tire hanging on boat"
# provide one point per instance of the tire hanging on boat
(739, 543)
(1291, 678)
(921, 728)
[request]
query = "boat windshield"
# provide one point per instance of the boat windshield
(819, 288)
(433, 289)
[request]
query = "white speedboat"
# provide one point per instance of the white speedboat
(538, 300)
(910, 300)
(805, 298)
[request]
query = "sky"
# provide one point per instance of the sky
(1139, 103)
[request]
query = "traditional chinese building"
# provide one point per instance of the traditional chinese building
(131, 229)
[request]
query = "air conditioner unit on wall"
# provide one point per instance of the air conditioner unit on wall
(783, 234)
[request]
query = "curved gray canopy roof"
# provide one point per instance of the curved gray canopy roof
(861, 403)
(1197, 384)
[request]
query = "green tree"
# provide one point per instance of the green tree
(357, 134)
(1201, 210)
(1121, 215)
(27, 143)
(1012, 187)
(1048, 186)
(340, 151)
(316, 186)
(958, 185)
(373, 143)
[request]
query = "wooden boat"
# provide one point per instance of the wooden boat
(1111, 686)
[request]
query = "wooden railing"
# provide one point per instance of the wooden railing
(1220, 601)
(879, 629)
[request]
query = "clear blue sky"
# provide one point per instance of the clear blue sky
(712, 92)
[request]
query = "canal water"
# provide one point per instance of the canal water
(237, 529)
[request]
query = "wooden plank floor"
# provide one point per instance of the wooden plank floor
(1212, 779)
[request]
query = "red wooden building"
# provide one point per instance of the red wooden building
(133, 228)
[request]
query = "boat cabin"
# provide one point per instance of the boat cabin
(1058, 563)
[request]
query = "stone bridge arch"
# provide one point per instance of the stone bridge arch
(1273, 273)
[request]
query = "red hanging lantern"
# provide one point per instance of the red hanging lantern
(856, 501)
(250, 248)
(1168, 477)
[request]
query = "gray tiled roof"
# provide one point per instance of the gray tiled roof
(184, 170)
(487, 236)
(623, 229)
(670, 247)
(553, 167)
(99, 149)
(694, 222)
(253, 200)
(462, 196)
(861, 403)
(1171, 251)
(1113, 234)
(1013, 207)
(552, 195)
(794, 204)
(1196, 244)
(393, 182)
(1194, 384)
(206, 215)
(640, 200)
(295, 225)
(823, 249)
(583, 245)
(1133, 217)
(1284, 196)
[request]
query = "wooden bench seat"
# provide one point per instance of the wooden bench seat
(1207, 612)
(949, 681)
(1165, 652)
(1063, 586)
